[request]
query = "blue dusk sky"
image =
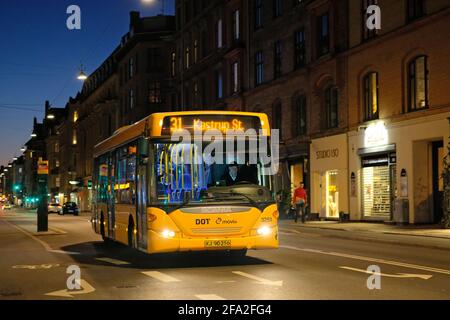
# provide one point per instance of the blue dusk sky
(40, 57)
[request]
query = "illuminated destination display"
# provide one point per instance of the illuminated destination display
(223, 123)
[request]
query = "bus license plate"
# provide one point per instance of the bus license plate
(217, 243)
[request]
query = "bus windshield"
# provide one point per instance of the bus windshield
(191, 174)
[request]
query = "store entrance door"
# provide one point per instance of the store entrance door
(438, 183)
(378, 186)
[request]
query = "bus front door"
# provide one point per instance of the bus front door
(141, 190)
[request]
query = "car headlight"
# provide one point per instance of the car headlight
(263, 231)
(168, 234)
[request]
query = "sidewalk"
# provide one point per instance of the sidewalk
(431, 231)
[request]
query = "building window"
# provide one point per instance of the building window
(259, 68)
(130, 68)
(278, 59)
(415, 9)
(324, 35)
(75, 116)
(277, 118)
(188, 57)
(236, 25)
(196, 102)
(258, 13)
(57, 164)
(56, 147)
(219, 34)
(173, 65)
(154, 92)
(300, 121)
(219, 84)
(195, 51)
(366, 32)
(203, 89)
(74, 137)
(277, 8)
(205, 44)
(300, 49)
(235, 77)
(131, 99)
(154, 60)
(371, 96)
(418, 84)
(331, 107)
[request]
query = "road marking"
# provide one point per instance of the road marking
(209, 297)
(290, 230)
(400, 275)
(113, 261)
(70, 253)
(258, 279)
(368, 259)
(160, 276)
(36, 267)
(226, 281)
(44, 244)
(87, 288)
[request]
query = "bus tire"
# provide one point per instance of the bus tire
(102, 227)
(131, 232)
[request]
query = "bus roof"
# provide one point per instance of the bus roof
(152, 126)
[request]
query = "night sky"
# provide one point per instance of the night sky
(40, 57)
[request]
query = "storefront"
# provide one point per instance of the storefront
(397, 162)
(329, 177)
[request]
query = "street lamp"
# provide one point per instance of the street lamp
(33, 135)
(153, 1)
(82, 76)
(50, 116)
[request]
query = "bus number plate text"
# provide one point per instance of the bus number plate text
(217, 243)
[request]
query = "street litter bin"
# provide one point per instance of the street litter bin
(401, 211)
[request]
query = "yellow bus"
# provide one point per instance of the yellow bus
(160, 195)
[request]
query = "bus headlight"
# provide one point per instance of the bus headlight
(168, 234)
(263, 231)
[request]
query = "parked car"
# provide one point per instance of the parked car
(7, 206)
(55, 208)
(70, 208)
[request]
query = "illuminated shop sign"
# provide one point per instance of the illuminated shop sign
(376, 135)
(221, 123)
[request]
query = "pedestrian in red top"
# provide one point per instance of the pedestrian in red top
(300, 202)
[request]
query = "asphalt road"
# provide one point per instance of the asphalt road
(310, 264)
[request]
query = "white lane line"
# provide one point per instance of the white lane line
(44, 244)
(400, 275)
(290, 230)
(113, 261)
(259, 279)
(161, 276)
(209, 297)
(369, 259)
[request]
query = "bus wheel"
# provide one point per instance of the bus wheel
(131, 233)
(102, 227)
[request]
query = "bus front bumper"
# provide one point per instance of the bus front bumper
(159, 243)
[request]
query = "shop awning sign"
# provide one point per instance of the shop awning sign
(376, 135)
(42, 167)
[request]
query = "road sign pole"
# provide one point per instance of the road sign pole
(42, 212)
